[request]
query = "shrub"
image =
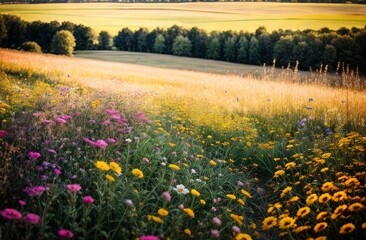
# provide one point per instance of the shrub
(30, 46)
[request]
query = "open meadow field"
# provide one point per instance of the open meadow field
(108, 150)
(247, 16)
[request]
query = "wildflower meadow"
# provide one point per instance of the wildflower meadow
(80, 160)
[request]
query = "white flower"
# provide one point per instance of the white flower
(163, 164)
(128, 140)
(198, 180)
(181, 189)
(193, 171)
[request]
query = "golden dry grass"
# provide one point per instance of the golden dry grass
(244, 16)
(204, 92)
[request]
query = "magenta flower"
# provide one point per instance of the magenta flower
(149, 237)
(216, 221)
(3, 133)
(65, 233)
(236, 229)
(166, 196)
(101, 144)
(111, 112)
(73, 187)
(111, 140)
(31, 218)
(10, 214)
(57, 171)
(22, 203)
(215, 233)
(34, 155)
(51, 151)
(88, 200)
(34, 191)
(61, 120)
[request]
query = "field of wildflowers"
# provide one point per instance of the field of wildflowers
(80, 162)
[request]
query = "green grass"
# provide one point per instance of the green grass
(209, 16)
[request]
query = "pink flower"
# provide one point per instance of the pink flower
(129, 202)
(88, 200)
(57, 171)
(22, 203)
(181, 206)
(215, 233)
(100, 144)
(166, 196)
(73, 187)
(216, 221)
(34, 191)
(65, 233)
(111, 112)
(51, 151)
(61, 120)
(146, 160)
(31, 218)
(111, 140)
(34, 155)
(236, 229)
(149, 237)
(10, 214)
(3, 133)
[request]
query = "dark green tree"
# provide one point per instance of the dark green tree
(198, 39)
(171, 34)
(63, 43)
(243, 50)
(159, 44)
(42, 33)
(213, 47)
(282, 51)
(104, 40)
(347, 50)
(300, 53)
(265, 48)
(124, 40)
(16, 31)
(230, 51)
(254, 55)
(84, 37)
(182, 46)
(30, 47)
(67, 26)
(329, 57)
(3, 32)
(139, 40)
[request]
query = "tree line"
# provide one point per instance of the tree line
(309, 48)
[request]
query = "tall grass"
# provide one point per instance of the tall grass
(258, 159)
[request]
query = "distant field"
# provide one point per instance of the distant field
(169, 61)
(210, 16)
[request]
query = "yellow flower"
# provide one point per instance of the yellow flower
(277, 159)
(352, 182)
(231, 196)
(195, 192)
(203, 202)
(355, 207)
(285, 191)
(237, 218)
(339, 196)
(326, 187)
(324, 169)
(326, 155)
(301, 229)
(171, 144)
(175, 167)
(102, 165)
(269, 222)
(324, 198)
(278, 173)
(338, 211)
(287, 222)
(243, 236)
(294, 199)
(246, 193)
(320, 226)
(321, 238)
(363, 225)
(321, 216)
(347, 228)
(311, 199)
(302, 212)
(189, 212)
(115, 167)
(290, 165)
(213, 163)
(187, 231)
(241, 201)
(110, 178)
(138, 173)
(162, 212)
(154, 218)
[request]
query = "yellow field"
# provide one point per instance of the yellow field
(210, 16)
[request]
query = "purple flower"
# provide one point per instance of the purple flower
(34, 191)
(57, 171)
(73, 187)
(34, 155)
(166, 196)
(111, 112)
(51, 151)
(149, 237)
(10, 214)
(100, 144)
(215, 233)
(217, 221)
(111, 140)
(61, 120)
(3, 133)
(22, 203)
(329, 131)
(88, 200)
(236, 229)
(31, 218)
(65, 233)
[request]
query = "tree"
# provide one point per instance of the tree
(282, 50)
(182, 46)
(159, 44)
(139, 39)
(171, 34)
(243, 50)
(84, 37)
(198, 39)
(329, 56)
(229, 50)
(265, 48)
(124, 40)
(254, 55)
(30, 47)
(347, 50)
(16, 31)
(213, 48)
(42, 33)
(301, 53)
(3, 32)
(104, 40)
(63, 42)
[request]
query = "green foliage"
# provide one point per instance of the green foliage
(30, 47)
(282, 49)
(159, 44)
(104, 40)
(253, 53)
(243, 50)
(213, 48)
(230, 49)
(63, 42)
(182, 46)
(124, 40)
